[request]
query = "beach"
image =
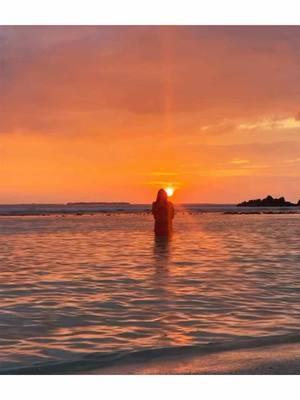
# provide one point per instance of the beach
(278, 359)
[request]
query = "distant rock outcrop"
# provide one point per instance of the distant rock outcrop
(269, 201)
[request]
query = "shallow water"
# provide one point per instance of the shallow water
(75, 285)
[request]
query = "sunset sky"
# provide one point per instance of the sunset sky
(115, 113)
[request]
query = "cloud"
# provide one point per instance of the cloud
(220, 128)
(268, 124)
(164, 183)
(239, 162)
(256, 166)
(163, 173)
(292, 161)
(52, 77)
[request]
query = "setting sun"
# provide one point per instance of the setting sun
(170, 191)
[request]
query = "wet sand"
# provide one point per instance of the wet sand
(278, 359)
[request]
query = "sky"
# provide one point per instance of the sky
(114, 113)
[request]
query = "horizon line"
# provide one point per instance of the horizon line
(104, 203)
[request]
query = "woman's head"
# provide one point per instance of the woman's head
(162, 195)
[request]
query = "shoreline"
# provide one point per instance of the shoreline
(281, 359)
(262, 355)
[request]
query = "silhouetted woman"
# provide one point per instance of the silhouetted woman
(163, 212)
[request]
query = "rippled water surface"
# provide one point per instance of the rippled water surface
(80, 284)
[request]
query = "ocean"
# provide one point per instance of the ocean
(94, 286)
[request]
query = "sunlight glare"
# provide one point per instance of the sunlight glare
(170, 191)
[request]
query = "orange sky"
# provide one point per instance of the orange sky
(115, 113)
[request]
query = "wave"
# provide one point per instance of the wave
(100, 360)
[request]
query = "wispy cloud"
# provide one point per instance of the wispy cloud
(256, 166)
(269, 124)
(245, 164)
(221, 127)
(158, 173)
(293, 160)
(164, 183)
(238, 161)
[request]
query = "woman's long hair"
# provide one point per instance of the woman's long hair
(162, 197)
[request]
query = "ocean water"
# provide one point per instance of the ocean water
(78, 285)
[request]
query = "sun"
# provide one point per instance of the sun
(170, 191)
